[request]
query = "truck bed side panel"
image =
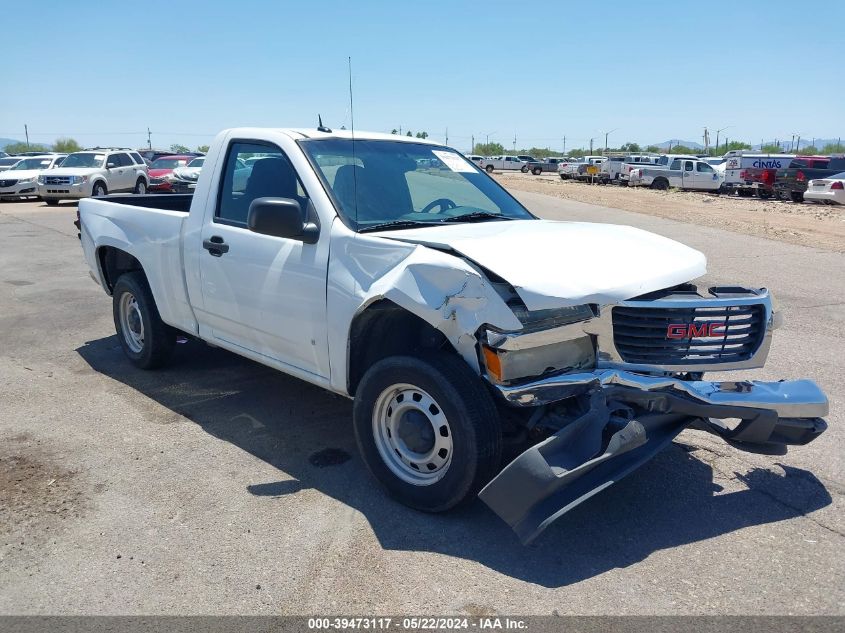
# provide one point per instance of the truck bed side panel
(153, 237)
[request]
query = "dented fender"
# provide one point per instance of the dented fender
(442, 289)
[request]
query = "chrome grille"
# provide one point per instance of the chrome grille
(642, 335)
(57, 180)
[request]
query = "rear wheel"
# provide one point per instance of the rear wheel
(99, 190)
(427, 430)
(660, 184)
(51, 202)
(764, 194)
(146, 340)
(140, 187)
(796, 196)
(537, 171)
(489, 169)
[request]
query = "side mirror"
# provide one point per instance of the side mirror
(281, 217)
(111, 165)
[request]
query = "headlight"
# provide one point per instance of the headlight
(30, 179)
(41, 180)
(550, 341)
(534, 320)
(78, 180)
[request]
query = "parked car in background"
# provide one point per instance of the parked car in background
(7, 162)
(682, 174)
(547, 165)
(151, 155)
(611, 169)
(21, 181)
(574, 168)
(161, 172)
(791, 183)
(749, 173)
(590, 169)
(184, 179)
(94, 172)
(830, 190)
(527, 158)
(475, 158)
(504, 163)
(3, 154)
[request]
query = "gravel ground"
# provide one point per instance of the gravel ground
(807, 224)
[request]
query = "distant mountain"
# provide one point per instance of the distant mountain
(819, 142)
(7, 141)
(673, 142)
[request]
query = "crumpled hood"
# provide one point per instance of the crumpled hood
(554, 264)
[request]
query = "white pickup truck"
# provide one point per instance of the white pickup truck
(681, 173)
(453, 317)
(505, 163)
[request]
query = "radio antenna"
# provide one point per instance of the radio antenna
(352, 125)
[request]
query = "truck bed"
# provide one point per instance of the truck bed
(164, 201)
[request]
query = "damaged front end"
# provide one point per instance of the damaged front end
(634, 372)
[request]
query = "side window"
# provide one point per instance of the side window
(255, 170)
(137, 158)
(704, 167)
(688, 165)
(676, 164)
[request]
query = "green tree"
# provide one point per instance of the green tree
(633, 148)
(833, 148)
(771, 148)
(810, 150)
(652, 149)
(66, 145)
(394, 131)
(203, 149)
(178, 149)
(682, 149)
(409, 133)
(422, 134)
(17, 148)
(489, 149)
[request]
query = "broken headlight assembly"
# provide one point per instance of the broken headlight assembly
(550, 341)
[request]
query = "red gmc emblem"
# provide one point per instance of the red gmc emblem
(695, 330)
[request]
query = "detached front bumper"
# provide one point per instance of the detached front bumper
(630, 419)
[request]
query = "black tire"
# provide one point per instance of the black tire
(489, 169)
(99, 189)
(159, 338)
(796, 196)
(537, 171)
(472, 419)
(51, 202)
(660, 184)
(524, 169)
(562, 176)
(764, 194)
(744, 193)
(140, 187)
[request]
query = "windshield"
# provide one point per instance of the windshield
(168, 163)
(84, 159)
(197, 162)
(33, 163)
(394, 181)
(8, 162)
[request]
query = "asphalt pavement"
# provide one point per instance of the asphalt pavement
(218, 486)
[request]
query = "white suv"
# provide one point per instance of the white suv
(94, 172)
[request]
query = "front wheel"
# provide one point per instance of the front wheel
(489, 169)
(51, 202)
(537, 171)
(146, 340)
(99, 190)
(427, 430)
(524, 169)
(141, 187)
(796, 196)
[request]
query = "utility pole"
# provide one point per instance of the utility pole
(149, 139)
(591, 147)
(447, 136)
(472, 151)
(26, 133)
(564, 146)
(514, 142)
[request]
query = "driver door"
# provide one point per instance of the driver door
(263, 293)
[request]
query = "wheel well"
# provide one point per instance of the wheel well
(384, 329)
(114, 262)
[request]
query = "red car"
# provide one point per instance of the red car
(162, 168)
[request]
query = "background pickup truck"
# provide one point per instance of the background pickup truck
(682, 174)
(395, 272)
(748, 173)
(613, 169)
(791, 183)
(505, 163)
(546, 165)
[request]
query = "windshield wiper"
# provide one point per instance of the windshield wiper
(476, 216)
(394, 224)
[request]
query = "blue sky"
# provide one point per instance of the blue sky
(103, 72)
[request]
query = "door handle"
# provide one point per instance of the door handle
(215, 246)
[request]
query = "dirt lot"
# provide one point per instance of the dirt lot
(807, 224)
